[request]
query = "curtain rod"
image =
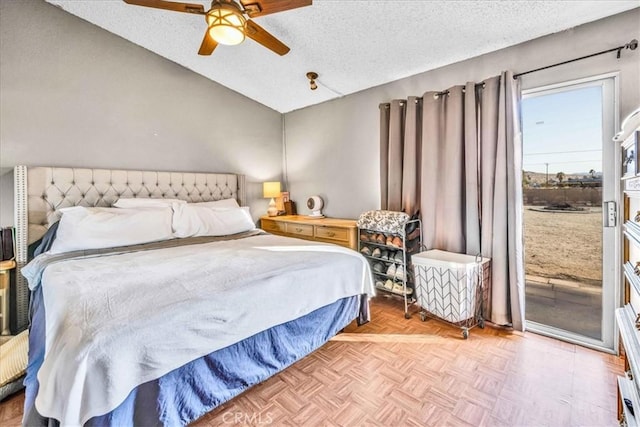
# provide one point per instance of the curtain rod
(632, 45)
(435, 95)
(446, 92)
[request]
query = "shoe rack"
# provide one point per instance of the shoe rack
(389, 255)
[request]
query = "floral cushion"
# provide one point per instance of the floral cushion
(383, 221)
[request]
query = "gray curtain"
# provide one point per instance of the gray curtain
(400, 133)
(457, 157)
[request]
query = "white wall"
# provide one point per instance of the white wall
(333, 148)
(73, 94)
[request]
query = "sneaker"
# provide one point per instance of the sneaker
(365, 250)
(378, 267)
(399, 273)
(376, 253)
(399, 289)
(379, 284)
(388, 285)
(391, 271)
(397, 257)
(396, 242)
(384, 255)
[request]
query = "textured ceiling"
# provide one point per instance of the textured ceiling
(352, 44)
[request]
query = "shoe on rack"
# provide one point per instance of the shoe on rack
(389, 240)
(365, 250)
(364, 237)
(388, 285)
(376, 253)
(378, 267)
(379, 284)
(391, 271)
(397, 257)
(399, 289)
(384, 255)
(396, 242)
(399, 274)
(380, 239)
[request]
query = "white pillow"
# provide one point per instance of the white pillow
(94, 228)
(224, 203)
(195, 220)
(146, 203)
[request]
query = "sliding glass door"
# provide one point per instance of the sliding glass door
(569, 171)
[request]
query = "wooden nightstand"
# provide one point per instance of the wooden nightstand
(5, 270)
(343, 232)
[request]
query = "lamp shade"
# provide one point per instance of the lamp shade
(270, 189)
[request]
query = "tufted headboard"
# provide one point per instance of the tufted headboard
(41, 191)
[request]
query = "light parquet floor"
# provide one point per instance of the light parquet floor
(397, 372)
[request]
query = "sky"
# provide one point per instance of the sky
(563, 129)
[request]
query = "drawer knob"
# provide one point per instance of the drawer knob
(331, 234)
(299, 230)
(637, 217)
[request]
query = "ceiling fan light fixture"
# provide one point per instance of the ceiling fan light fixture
(226, 24)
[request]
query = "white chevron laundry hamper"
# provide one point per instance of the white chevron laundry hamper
(452, 287)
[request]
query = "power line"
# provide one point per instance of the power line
(557, 163)
(561, 152)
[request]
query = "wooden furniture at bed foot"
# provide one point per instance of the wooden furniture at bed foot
(5, 271)
(342, 232)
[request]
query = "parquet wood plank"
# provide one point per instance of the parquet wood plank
(399, 372)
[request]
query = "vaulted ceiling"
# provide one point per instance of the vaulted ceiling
(352, 44)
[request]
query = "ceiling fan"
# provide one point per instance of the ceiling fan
(227, 23)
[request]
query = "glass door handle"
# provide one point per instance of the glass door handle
(610, 214)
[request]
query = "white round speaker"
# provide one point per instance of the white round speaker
(315, 204)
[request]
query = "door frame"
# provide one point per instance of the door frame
(611, 236)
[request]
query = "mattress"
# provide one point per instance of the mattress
(168, 306)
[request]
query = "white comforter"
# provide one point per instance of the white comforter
(117, 321)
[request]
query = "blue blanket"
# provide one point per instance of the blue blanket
(196, 388)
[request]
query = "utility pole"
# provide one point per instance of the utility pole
(547, 175)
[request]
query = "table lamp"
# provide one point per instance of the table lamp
(271, 190)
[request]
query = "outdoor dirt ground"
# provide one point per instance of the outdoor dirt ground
(564, 245)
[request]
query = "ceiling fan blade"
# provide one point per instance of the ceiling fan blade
(262, 36)
(169, 5)
(265, 7)
(208, 45)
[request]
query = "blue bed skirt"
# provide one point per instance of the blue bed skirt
(185, 394)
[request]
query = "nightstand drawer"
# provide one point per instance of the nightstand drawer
(333, 233)
(299, 229)
(337, 231)
(271, 225)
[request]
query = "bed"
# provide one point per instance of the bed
(162, 332)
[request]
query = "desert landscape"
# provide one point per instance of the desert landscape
(564, 245)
